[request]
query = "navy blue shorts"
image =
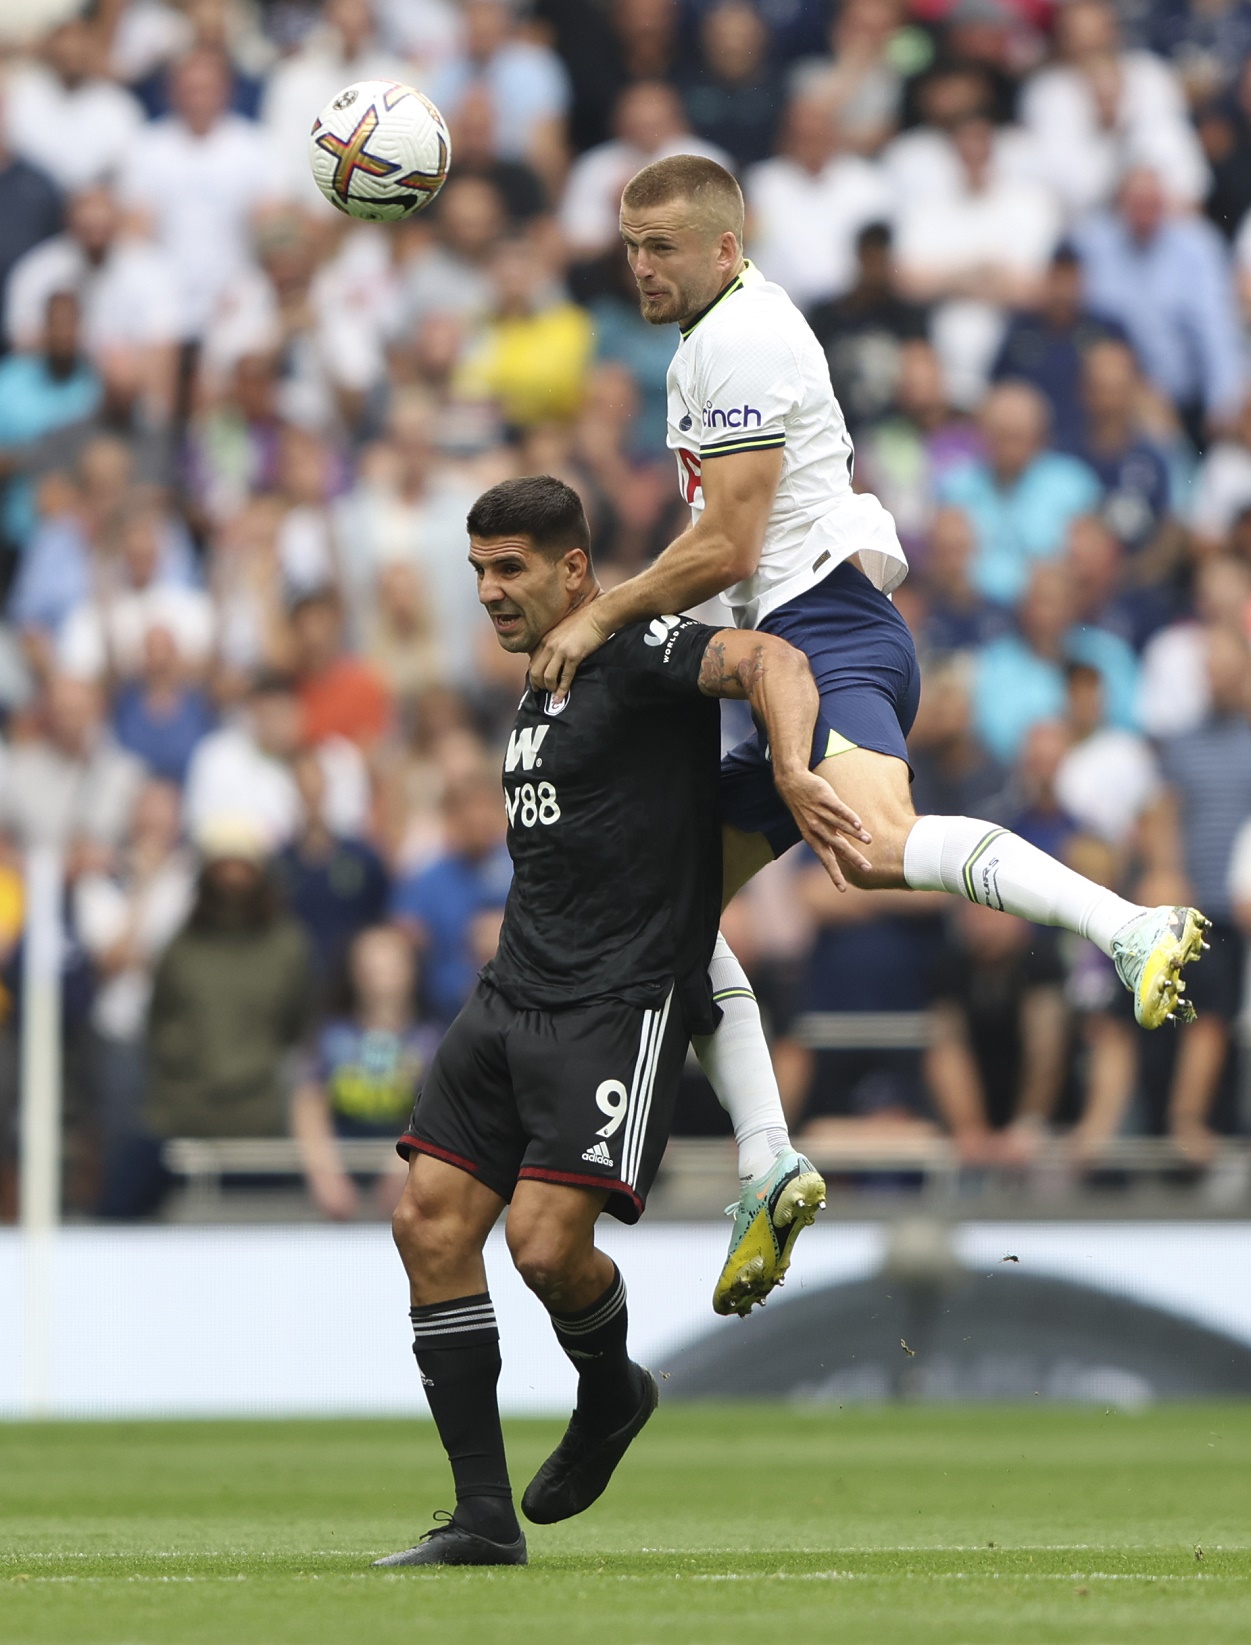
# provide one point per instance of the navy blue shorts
(865, 666)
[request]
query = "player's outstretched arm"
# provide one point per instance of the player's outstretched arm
(720, 549)
(776, 680)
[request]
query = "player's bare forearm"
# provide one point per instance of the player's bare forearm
(702, 562)
(776, 680)
(719, 549)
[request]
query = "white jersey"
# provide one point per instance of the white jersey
(749, 375)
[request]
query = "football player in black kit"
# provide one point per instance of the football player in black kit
(553, 1091)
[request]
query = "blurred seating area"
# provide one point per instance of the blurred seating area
(245, 689)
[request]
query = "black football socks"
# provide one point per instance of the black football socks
(595, 1341)
(457, 1345)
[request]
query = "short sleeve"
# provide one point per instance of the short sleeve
(747, 388)
(663, 658)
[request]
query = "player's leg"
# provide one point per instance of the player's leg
(596, 1087)
(551, 1234)
(463, 1145)
(992, 866)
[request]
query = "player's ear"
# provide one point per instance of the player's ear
(576, 562)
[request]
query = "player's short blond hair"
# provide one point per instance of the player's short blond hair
(714, 195)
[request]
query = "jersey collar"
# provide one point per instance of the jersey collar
(736, 284)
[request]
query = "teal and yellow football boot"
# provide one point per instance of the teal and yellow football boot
(771, 1211)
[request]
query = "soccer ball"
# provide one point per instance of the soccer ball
(379, 150)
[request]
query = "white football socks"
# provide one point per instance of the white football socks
(736, 1060)
(1000, 870)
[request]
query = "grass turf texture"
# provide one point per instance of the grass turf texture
(982, 1527)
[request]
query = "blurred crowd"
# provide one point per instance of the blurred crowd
(244, 685)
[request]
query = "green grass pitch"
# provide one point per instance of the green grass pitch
(935, 1527)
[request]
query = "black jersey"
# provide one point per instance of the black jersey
(613, 829)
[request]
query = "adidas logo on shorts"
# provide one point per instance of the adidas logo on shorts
(597, 1154)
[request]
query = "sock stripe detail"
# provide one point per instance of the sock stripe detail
(580, 1325)
(463, 1318)
(971, 862)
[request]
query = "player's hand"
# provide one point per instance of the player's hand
(563, 648)
(828, 824)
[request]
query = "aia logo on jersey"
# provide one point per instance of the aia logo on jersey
(689, 474)
(735, 417)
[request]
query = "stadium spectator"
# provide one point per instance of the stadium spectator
(230, 1003)
(244, 770)
(1165, 276)
(997, 1062)
(860, 82)
(162, 714)
(1222, 486)
(64, 117)
(527, 81)
(863, 332)
(923, 163)
(451, 907)
(65, 778)
(1047, 344)
(125, 917)
(1173, 697)
(905, 457)
(364, 1075)
(1108, 778)
(1225, 131)
(954, 772)
(195, 177)
(956, 615)
(1101, 107)
(874, 952)
(340, 695)
(126, 290)
(476, 147)
(1021, 496)
(606, 49)
(1019, 678)
(55, 571)
(649, 123)
(30, 207)
(1130, 465)
(453, 275)
(40, 392)
(138, 589)
(1193, 833)
(808, 205)
(975, 252)
(532, 353)
(407, 509)
(334, 887)
(732, 94)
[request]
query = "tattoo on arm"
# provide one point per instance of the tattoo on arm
(718, 677)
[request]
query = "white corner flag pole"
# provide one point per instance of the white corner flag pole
(41, 1116)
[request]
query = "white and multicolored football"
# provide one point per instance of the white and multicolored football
(380, 150)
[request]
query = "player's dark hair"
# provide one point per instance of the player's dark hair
(710, 188)
(538, 506)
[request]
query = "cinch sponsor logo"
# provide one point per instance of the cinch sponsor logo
(523, 747)
(735, 417)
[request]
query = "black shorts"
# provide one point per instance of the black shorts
(583, 1096)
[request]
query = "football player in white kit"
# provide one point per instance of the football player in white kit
(765, 462)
